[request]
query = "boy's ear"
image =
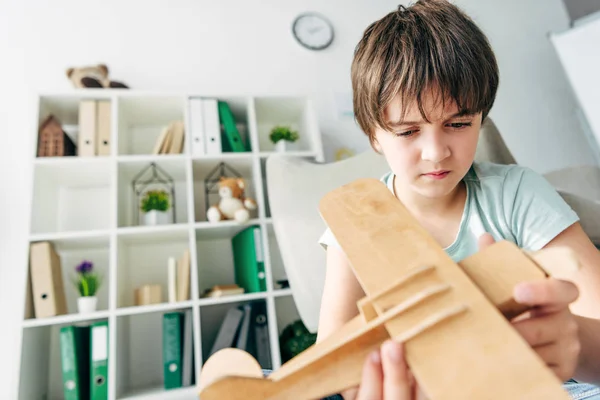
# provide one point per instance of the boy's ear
(376, 146)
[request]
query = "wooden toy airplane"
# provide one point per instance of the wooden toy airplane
(453, 318)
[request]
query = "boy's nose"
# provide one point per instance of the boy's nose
(434, 149)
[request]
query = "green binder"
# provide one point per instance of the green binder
(74, 354)
(99, 360)
(233, 140)
(248, 260)
(172, 344)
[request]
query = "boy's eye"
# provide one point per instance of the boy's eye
(459, 125)
(405, 133)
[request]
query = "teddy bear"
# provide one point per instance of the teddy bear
(232, 205)
(93, 76)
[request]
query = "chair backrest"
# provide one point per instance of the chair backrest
(295, 187)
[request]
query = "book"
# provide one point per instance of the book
(223, 290)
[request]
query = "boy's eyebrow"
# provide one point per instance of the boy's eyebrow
(462, 113)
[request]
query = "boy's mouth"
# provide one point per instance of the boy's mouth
(437, 174)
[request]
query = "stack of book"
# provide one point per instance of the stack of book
(84, 361)
(171, 139)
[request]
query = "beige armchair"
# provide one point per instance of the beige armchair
(296, 185)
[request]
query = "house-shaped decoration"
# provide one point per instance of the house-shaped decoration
(53, 141)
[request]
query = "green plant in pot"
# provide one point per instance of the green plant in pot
(156, 205)
(282, 137)
(87, 282)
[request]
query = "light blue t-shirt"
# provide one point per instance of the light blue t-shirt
(510, 202)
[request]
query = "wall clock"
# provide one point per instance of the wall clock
(313, 31)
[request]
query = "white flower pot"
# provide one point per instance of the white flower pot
(156, 217)
(87, 304)
(283, 145)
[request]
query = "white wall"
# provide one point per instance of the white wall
(245, 46)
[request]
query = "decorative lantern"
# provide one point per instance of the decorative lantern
(155, 196)
(211, 182)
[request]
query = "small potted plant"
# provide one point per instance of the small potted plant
(155, 206)
(282, 137)
(87, 283)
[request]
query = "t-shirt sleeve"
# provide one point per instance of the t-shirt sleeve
(327, 239)
(533, 209)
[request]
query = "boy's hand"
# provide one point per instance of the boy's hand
(386, 375)
(550, 328)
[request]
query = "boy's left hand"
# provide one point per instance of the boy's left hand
(550, 328)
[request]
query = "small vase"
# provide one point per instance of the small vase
(283, 145)
(156, 217)
(87, 304)
(280, 146)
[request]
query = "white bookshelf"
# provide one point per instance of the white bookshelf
(84, 207)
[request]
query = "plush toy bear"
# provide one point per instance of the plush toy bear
(93, 76)
(233, 205)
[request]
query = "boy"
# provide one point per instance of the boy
(424, 79)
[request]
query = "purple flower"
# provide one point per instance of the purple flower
(84, 267)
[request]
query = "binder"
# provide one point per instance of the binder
(46, 281)
(99, 361)
(248, 260)
(172, 357)
(261, 334)
(212, 126)
(86, 142)
(103, 126)
(228, 330)
(197, 127)
(187, 371)
(231, 133)
(74, 355)
(242, 338)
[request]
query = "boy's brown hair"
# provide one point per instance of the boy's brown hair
(430, 45)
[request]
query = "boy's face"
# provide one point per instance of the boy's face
(429, 158)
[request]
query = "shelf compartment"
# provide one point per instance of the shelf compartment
(215, 259)
(212, 317)
(63, 196)
(66, 110)
(139, 367)
(143, 259)
(204, 169)
(293, 112)
(143, 118)
(41, 367)
(129, 213)
(71, 252)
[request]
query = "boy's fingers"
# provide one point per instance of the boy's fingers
(485, 240)
(548, 293)
(396, 375)
(372, 378)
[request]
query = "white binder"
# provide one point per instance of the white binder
(197, 127)
(212, 126)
